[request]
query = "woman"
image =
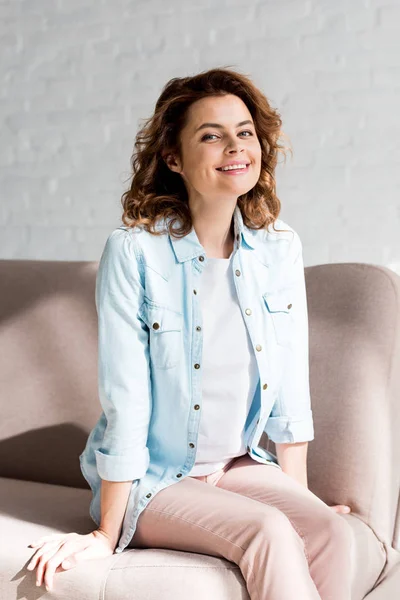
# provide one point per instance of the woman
(203, 346)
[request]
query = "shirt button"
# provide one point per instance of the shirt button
(201, 258)
(265, 386)
(197, 366)
(237, 272)
(290, 305)
(156, 326)
(194, 291)
(196, 406)
(248, 311)
(148, 495)
(258, 347)
(179, 475)
(191, 445)
(198, 328)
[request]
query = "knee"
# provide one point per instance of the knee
(273, 524)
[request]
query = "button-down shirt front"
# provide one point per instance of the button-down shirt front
(150, 355)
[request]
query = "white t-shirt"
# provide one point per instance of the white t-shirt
(229, 370)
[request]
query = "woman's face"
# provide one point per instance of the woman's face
(219, 131)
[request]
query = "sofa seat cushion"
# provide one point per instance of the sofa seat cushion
(29, 510)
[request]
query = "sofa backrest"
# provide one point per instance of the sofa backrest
(48, 380)
(48, 368)
(354, 341)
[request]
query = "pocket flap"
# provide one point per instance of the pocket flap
(278, 301)
(160, 318)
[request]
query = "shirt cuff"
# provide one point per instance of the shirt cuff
(122, 468)
(288, 430)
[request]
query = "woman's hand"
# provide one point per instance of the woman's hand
(341, 508)
(59, 552)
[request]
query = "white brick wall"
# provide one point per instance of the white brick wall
(77, 77)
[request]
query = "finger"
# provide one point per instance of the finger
(46, 538)
(40, 552)
(51, 567)
(342, 508)
(42, 564)
(64, 554)
(68, 563)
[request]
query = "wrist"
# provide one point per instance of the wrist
(104, 535)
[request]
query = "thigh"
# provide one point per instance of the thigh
(273, 487)
(194, 516)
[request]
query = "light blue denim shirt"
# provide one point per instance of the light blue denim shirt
(150, 356)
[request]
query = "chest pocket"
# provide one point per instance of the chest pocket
(165, 327)
(279, 305)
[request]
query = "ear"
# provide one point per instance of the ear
(171, 162)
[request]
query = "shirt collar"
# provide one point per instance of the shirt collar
(189, 246)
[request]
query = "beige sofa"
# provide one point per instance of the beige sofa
(49, 403)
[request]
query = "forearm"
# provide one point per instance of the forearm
(114, 500)
(292, 458)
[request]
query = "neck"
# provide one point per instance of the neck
(215, 231)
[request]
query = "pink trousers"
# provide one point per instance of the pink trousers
(286, 541)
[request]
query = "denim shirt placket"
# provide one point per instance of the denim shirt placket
(197, 265)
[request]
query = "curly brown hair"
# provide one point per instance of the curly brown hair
(156, 192)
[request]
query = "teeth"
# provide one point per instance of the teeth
(232, 167)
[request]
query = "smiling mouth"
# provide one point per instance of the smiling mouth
(234, 168)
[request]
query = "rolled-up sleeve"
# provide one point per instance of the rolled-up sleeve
(123, 362)
(291, 418)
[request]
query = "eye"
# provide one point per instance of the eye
(208, 135)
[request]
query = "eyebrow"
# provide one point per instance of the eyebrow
(221, 126)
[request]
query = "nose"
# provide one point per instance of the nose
(236, 148)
